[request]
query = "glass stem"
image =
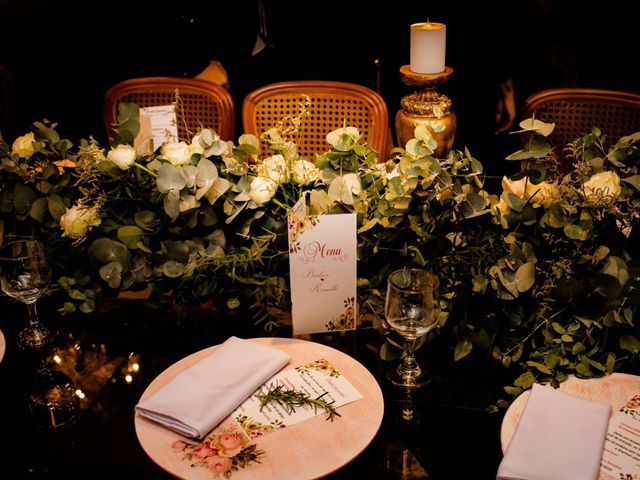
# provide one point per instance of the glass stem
(409, 364)
(33, 314)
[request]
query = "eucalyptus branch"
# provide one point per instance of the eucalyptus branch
(291, 399)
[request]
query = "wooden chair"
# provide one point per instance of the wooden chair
(575, 111)
(204, 103)
(333, 105)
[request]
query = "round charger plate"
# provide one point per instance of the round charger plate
(615, 389)
(310, 449)
(3, 345)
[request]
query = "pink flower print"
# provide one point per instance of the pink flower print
(204, 451)
(230, 443)
(178, 445)
(219, 464)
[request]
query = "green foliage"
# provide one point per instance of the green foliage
(542, 276)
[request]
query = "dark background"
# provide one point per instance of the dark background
(64, 55)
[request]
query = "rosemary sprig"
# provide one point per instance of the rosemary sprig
(290, 399)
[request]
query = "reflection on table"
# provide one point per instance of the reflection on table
(443, 430)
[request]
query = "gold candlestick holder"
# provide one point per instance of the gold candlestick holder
(426, 107)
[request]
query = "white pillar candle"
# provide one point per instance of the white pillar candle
(428, 42)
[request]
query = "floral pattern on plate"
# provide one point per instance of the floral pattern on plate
(223, 453)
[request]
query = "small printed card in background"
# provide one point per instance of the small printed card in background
(621, 456)
(322, 263)
(157, 126)
(315, 379)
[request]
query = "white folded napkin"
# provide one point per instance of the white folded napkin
(559, 436)
(200, 397)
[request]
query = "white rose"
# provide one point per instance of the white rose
(541, 194)
(176, 153)
(262, 190)
(274, 168)
(517, 187)
(77, 220)
(603, 186)
(343, 139)
(122, 156)
(196, 147)
(23, 146)
(304, 172)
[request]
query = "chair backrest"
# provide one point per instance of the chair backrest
(204, 104)
(575, 111)
(333, 104)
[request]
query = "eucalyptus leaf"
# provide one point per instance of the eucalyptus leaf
(111, 273)
(104, 251)
(630, 344)
(462, 349)
(23, 197)
(130, 235)
(525, 276)
(56, 207)
(39, 209)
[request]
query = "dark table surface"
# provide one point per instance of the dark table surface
(441, 431)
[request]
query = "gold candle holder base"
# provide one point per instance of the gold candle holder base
(426, 107)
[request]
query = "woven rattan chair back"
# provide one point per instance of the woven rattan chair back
(331, 106)
(575, 111)
(202, 103)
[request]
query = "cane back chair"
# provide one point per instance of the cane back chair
(332, 105)
(203, 103)
(575, 111)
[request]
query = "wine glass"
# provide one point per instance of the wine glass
(411, 308)
(25, 275)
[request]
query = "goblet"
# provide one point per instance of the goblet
(25, 275)
(411, 308)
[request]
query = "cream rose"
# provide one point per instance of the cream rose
(177, 153)
(77, 221)
(195, 147)
(23, 146)
(274, 168)
(304, 172)
(541, 194)
(219, 464)
(262, 189)
(123, 156)
(602, 187)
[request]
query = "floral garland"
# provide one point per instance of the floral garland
(209, 219)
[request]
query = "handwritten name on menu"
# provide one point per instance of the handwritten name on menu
(322, 263)
(621, 456)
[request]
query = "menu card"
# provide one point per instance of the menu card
(322, 264)
(318, 378)
(621, 456)
(157, 126)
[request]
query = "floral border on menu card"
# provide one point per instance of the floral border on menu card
(222, 453)
(297, 226)
(254, 428)
(632, 407)
(322, 365)
(346, 320)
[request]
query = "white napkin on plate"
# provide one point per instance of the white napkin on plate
(559, 436)
(200, 397)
